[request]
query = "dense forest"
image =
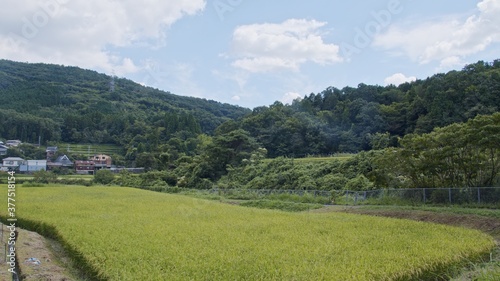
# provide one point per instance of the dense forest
(442, 130)
(69, 104)
(373, 117)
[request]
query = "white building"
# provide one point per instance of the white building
(13, 143)
(11, 163)
(33, 166)
(3, 149)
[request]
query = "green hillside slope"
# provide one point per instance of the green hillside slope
(70, 104)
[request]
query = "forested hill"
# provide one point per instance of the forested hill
(373, 117)
(71, 104)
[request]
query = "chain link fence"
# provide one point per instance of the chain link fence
(3, 246)
(422, 196)
(473, 196)
(488, 196)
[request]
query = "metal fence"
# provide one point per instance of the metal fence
(265, 192)
(436, 196)
(3, 246)
(483, 196)
(414, 196)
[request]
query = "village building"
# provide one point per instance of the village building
(62, 162)
(3, 150)
(101, 161)
(13, 143)
(11, 163)
(30, 166)
(51, 152)
(84, 167)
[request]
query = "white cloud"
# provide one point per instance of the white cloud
(285, 46)
(447, 40)
(83, 32)
(178, 78)
(450, 62)
(289, 97)
(398, 79)
(236, 98)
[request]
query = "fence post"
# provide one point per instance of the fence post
(478, 195)
(449, 195)
(4, 259)
(424, 196)
(346, 197)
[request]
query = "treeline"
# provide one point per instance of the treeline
(458, 155)
(373, 117)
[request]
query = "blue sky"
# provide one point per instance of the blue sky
(253, 53)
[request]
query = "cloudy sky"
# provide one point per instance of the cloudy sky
(253, 53)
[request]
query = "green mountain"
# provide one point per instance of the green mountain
(372, 117)
(70, 104)
(161, 131)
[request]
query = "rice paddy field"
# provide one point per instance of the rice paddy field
(313, 159)
(119, 233)
(91, 149)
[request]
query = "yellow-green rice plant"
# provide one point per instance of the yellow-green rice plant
(130, 234)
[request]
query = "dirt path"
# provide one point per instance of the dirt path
(39, 258)
(486, 224)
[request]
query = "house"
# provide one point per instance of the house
(11, 163)
(13, 143)
(84, 167)
(30, 166)
(51, 151)
(101, 161)
(60, 162)
(3, 149)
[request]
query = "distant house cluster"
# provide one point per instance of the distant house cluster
(21, 165)
(5, 146)
(88, 166)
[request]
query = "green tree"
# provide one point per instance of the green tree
(146, 160)
(104, 176)
(458, 155)
(226, 150)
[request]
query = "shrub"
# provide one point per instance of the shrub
(359, 183)
(44, 177)
(33, 184)
(104, 176)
